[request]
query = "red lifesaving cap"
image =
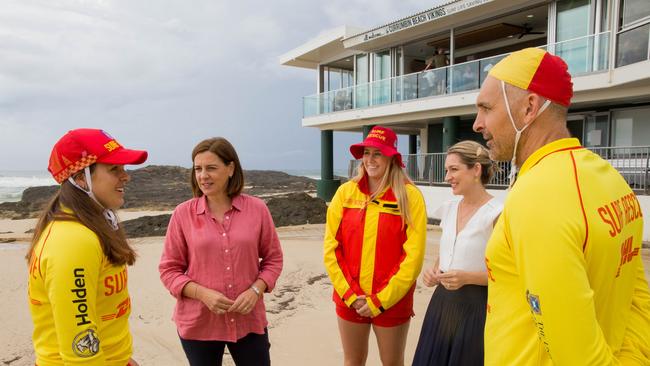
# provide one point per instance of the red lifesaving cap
(538, 71)
(83, 147)
(382, 138)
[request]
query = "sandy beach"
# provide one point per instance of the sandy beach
(302, 323)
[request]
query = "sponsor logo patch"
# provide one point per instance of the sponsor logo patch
(533, 301)
(86, 343)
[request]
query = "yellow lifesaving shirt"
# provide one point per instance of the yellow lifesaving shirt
(566, 284)
(79, 301)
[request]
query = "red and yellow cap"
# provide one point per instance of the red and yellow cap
(83, 147)
(538, 71)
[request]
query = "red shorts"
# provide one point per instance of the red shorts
(399, 314)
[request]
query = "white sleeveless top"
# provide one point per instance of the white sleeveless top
(467, 250)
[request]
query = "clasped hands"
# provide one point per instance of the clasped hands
(219, 304)
(451, 280)
(361, 306)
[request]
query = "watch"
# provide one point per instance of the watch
(255, 290)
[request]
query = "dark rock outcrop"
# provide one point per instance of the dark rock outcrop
(297, 209)
(32, 202)
(147, 226)
(290, 209)
(157, 187)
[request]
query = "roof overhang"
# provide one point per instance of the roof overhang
(445, 16)
(327, 46)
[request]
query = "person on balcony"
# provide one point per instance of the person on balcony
(452, 332)
(221, 255)
(373, 250)
(566, 283)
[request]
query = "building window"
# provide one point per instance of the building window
(631, 127)
(597, 130)
(634, 32)
(632, 45)
(634, 10)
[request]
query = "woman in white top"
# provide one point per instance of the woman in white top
(452, 332)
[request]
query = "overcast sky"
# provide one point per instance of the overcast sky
(162, 75)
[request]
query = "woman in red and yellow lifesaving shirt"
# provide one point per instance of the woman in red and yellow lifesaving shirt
(373, 250)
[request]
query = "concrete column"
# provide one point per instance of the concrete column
(327, 185)
(366, 130)
(449, 131)
(413, 144)
(434, 138)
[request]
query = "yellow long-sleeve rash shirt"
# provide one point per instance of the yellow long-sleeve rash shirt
(566, 282)
(79, 301)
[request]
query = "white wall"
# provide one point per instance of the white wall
(435, 196)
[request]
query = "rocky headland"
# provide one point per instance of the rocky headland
(160, 188)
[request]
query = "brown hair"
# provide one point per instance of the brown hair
(472, 153)
(226, 152)
(88, 213)
(395, 178)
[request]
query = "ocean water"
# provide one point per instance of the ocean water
(313, 173)
(13, 183)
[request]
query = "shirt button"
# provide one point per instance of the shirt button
(224, 234)
(227, 268)
(229, 286)
(232, 319)
(227, 217)
(226, 250)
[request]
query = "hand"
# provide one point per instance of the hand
(452, 280)
(359, 302)
(244, 303)
(215, 300)
(431, 276)
(365, 309)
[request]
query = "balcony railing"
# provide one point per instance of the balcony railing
(583, 55)
(632, 162)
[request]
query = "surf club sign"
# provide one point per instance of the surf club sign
(415, 20)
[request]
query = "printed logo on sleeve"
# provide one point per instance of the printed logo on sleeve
(86, 343)
(80, 302)
(533, 301)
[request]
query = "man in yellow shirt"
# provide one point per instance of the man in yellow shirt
(566, 281)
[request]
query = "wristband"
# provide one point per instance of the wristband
(255, 290)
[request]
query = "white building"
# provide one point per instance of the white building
(389, 75)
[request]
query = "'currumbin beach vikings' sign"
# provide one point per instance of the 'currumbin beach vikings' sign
(417, 19)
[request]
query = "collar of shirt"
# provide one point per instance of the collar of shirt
(548, 149)
(364, 187)
(202, 204)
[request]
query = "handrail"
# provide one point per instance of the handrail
(586, 54)
(632, 162)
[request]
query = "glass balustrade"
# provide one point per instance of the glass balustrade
(583, 55)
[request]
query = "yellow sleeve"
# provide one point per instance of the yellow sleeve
(549, 258)
(635, 349)
(71, 280)
(414, 248)
(337, 270)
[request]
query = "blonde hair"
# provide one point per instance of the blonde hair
(395, 178)
(471, 153)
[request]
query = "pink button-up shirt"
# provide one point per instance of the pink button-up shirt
(227, 257)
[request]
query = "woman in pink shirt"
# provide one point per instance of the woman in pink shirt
(221, 254)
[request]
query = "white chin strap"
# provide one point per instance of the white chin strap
(513, 165)
(108, 213)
